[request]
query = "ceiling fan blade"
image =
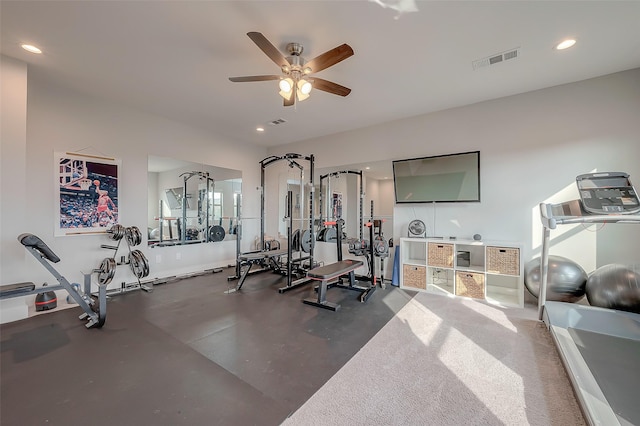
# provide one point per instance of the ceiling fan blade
(329, 86)
(254, 78)
(269, 49)
(330, 58)
(290, 101)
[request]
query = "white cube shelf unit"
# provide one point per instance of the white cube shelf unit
(466, 268)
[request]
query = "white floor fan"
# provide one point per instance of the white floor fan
(417, 229)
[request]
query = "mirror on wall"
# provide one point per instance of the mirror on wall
(191, 203)
(292, 181)
(341, 191)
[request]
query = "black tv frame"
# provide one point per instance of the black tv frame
(425, 201)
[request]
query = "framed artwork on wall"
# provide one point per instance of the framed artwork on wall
(86, 193)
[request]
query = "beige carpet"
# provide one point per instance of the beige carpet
(446, 361)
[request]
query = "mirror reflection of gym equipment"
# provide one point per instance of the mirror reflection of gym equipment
(191, 203)
(331, 204)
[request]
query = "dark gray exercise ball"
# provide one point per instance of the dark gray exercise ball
(615, 286)
(566, 280)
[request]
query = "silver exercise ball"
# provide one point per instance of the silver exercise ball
(615, 286)
(566, 280)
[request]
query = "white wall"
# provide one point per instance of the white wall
(61, 120)
(13, 132)
(532, 146)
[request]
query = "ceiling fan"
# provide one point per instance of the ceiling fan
(296, 81)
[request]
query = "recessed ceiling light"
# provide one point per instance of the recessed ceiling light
(31, 48)
(565, 44)
(260, 129)
(367, 168)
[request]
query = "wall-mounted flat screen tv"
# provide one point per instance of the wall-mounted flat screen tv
(441, 179)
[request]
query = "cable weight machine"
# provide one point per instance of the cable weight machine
(375, 247)
(325, 233)
(297, 241)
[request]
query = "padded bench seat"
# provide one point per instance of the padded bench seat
(252, 257)
(328, 273)
(334, 270)
(16, 289)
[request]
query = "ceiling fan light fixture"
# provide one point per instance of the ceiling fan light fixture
(286, 95)
(294, 84)
(286, 84)
(304, 86)
(301, 96)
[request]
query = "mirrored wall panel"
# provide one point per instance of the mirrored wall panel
(191, 203)
(356, 193)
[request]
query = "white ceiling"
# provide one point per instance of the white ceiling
(173, 58)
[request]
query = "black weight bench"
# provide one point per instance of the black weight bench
(260, 259)
(331, 276)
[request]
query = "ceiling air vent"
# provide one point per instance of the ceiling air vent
(278, 121)
(496, 59)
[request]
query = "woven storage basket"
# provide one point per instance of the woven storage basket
(440, 254)
(503, 260)
(414, 276)
(469, 284)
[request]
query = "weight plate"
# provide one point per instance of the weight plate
(139, 264)
(305, 241)
(133, 235)
(216, 233)
(380, 246)
(107, 270)
(116, 232)
(138, 235)
(330, 235)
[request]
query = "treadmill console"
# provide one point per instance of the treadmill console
(607, 193)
